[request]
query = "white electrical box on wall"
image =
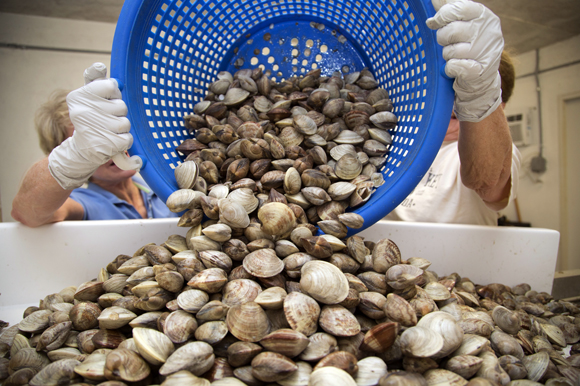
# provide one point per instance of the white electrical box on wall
(520, 123)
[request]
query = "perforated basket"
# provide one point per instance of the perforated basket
(167, 52)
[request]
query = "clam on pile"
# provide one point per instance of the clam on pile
(254, 295)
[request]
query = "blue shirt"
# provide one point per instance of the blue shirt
(100, 204)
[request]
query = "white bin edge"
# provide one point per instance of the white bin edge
(40, 261)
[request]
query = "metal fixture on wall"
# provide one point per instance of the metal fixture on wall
(538, 163)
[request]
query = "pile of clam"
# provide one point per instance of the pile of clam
(312, 140)
(218, 308)
(254, 295)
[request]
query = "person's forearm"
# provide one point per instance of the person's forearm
(40, 198)
(485, 150)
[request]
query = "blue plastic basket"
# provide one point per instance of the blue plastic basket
(168, 52)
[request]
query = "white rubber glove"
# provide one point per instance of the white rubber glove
(472, 45)
(98, 115)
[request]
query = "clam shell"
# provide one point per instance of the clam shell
(211, 332)
(505, 344)
(301, 312)
(285, 341)
(233, 213)
(370, 371)
(179, 326)
(506, 319)
(384, 120)
(210, 280)
(402, 276)
(399, 310)
(305, 125)
(93, 367)
(444, 377)
(193, 300)
(186, 174)
(324, 282)
(248, 322)
(471, 345)
(348, 167)
(277, 218)
(330, 376)
(245, 197)
(125, 365)
(183, 199)
(263, 263)
(338, 321)
(421, 342)
(195, 357)
(240, 291)
(214, 310)
(321, 344)
(242, 353)
(298, 378)
(464, 365)
(56, 373)
(184, 377)
(271, 298)
(537, 365)
(271, 367)
(380, 337)
(35, 322)
(235, 96)
(27, 357)
(154, 346)
(445, 325)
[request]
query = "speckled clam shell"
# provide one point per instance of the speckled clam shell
(179, 326)
(338, 321)
(302, 312)
(324, 282)
(277, 218)
(240, 291)
(248, 322)
(263, 263)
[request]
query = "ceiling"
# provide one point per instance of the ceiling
(527, 24)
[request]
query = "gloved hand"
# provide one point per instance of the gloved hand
(472, 45)
(98, 115)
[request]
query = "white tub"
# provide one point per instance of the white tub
(41, 261)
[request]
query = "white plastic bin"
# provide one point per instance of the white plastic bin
(37, 262)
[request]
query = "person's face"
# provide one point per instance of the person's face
(109, 173)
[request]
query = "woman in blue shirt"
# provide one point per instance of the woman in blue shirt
(81, 131)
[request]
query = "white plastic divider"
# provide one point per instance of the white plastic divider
(484, 254)
(37, 262)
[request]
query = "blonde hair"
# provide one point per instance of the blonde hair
(507, 74)
(52, 121)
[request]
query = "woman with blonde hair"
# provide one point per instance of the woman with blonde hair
(81, 131)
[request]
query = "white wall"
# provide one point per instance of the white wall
(56, 54)
(559, 77)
